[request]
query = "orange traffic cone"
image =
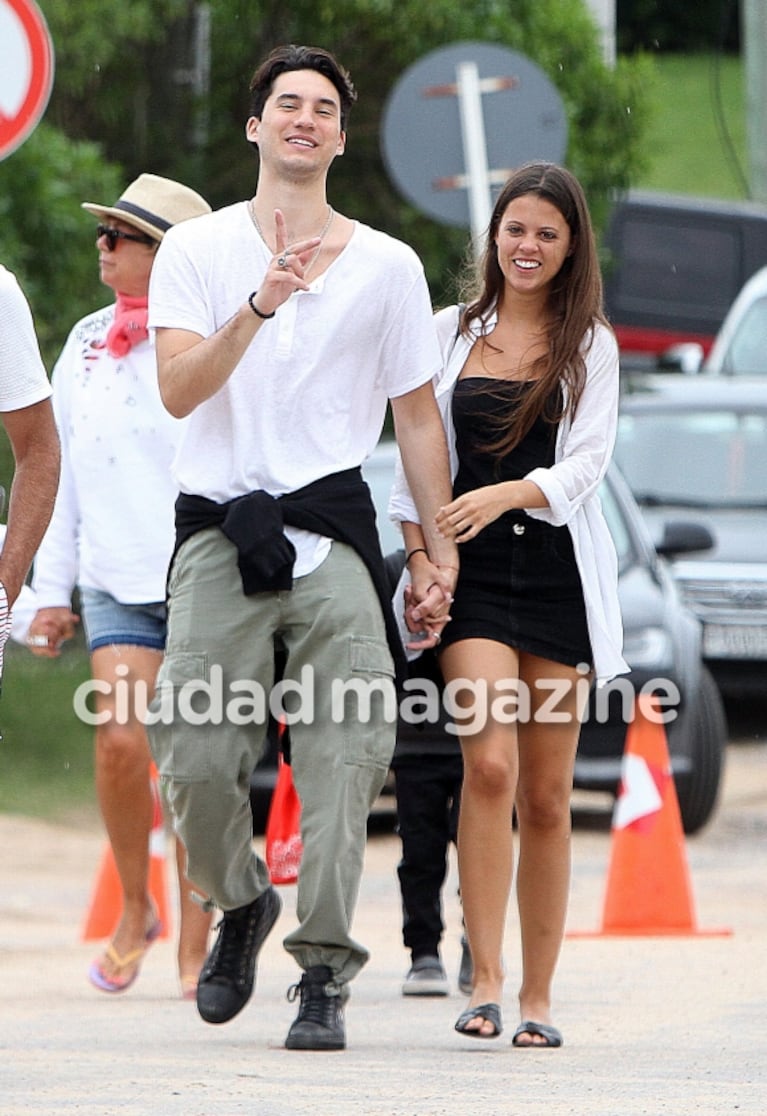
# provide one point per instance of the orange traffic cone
(107, 899)
(648, 881)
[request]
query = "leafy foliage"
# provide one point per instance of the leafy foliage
(608, 110)
(123, 79)
(133, 90)
(45, 237)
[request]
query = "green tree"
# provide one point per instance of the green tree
(45, 237)
(124, 79)
(131, 89)
(48, 241)
(608, 110)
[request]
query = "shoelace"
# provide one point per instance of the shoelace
(232, 952)
(318, 1001)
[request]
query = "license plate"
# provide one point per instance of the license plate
(736, 641)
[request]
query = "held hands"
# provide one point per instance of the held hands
(49, 629)
(285, 273)
(427, 602)
(464, 518)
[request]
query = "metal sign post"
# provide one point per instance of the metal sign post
(471, 112)
(474, 148)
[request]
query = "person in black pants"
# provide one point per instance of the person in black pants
(428, 769)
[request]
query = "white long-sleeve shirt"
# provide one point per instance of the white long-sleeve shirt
(112, 525)
(583, 451)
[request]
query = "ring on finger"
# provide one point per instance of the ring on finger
(282, 261)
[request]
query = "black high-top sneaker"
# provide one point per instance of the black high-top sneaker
(319, 1024)
(229, 973)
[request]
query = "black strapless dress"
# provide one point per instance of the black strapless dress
(518, 583)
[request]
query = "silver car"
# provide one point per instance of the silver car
(694, 452)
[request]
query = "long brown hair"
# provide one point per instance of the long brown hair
(575, 304)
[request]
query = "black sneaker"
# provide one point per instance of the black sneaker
(229, 973)
(466, 971)
(319, 1024)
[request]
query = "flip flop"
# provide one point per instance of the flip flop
(104, 983)
(490, 1012)
(552, 1036)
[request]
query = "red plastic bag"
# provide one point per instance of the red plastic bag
(283, 828)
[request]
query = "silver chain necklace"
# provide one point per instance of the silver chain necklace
(323, 234)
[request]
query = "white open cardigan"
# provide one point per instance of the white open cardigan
(583, 451)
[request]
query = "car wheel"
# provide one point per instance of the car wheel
(706, 729)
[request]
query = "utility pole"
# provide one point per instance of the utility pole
(755, 75)
(603, 13)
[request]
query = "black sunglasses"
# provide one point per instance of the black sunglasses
(113, 235)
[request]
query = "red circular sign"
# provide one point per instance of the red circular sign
(26, 71)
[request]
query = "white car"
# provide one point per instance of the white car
(740, 347)
(694, 451)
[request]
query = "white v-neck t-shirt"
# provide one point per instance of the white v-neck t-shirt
(309, 396)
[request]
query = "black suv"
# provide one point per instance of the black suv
(672, 267)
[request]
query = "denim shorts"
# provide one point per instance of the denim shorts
(107, 622)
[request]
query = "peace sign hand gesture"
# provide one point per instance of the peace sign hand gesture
(285, 273)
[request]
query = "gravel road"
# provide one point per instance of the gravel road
(652, 1025)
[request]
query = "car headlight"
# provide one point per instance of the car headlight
(648, 649)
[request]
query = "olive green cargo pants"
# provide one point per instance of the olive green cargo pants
(208, 732)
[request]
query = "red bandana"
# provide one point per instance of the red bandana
(129, 326)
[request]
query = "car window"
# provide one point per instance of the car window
(677, 262)
(699, 458)
(747, 352)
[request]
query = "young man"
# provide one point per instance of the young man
(27, 416)
(282, 329)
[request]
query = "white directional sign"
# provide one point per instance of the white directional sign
(26, 71)
(460, 119)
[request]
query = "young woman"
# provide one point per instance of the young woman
(529, 396)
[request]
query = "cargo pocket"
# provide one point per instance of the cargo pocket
(368, 707)
(178, 727)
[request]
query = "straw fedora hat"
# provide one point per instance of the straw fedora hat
(153, 204)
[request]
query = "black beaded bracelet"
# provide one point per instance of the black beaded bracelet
(416, 550)
(256, 311)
